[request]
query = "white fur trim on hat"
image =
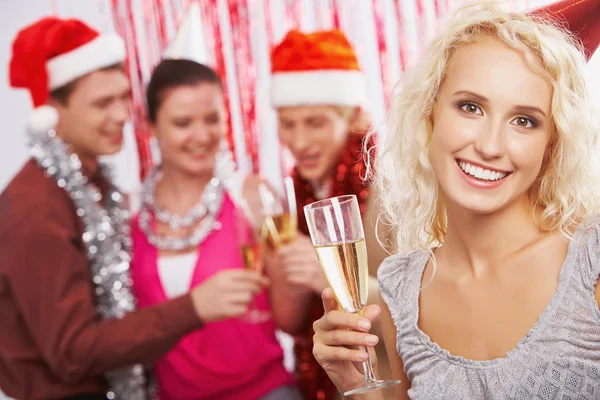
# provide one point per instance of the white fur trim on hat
(320, 87)
(103, 51)
(42, 119)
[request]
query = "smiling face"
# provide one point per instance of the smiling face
(315, 135)
(491, 127)
(91, 119)
(190, 124)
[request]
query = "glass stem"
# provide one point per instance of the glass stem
(368, 367)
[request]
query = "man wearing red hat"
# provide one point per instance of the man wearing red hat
(69, 324)
(319, 93)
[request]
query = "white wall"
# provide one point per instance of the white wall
(14, 105)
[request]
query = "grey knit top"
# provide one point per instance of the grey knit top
(558, 359)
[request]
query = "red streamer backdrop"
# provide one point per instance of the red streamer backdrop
(399, 30)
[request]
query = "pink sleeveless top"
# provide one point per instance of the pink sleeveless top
(224, 360)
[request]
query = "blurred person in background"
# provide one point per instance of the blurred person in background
(69, 326)
(319, 93)
(187, 235)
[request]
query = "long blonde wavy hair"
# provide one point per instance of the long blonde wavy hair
(568, 187)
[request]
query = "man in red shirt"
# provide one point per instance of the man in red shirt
(69, 326)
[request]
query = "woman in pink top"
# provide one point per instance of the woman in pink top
(181, 242)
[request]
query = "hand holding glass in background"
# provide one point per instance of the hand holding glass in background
(281, 217)
(252, 237)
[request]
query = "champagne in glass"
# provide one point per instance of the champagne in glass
(336, 231)
(341, 265)
(290, 207)
(251, 237)
(252, 255)
(280, 214)
(286, 228)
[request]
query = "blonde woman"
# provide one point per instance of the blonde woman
(491, 181)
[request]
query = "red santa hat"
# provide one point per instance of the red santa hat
(53, 52)
(320, 68)
(582, 17)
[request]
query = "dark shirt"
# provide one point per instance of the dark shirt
(53, 343)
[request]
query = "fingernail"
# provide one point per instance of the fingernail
(363, 324)
(371, 339)
(362, 356)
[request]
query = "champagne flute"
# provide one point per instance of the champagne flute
(281, 216)
(252, 236)
(336, 230)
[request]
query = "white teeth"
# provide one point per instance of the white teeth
(481, 173)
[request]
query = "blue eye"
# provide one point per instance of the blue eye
(471, 108)
(524, 122)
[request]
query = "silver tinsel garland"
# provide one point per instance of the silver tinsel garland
(211, 201)
(176, 221)
(108, 243)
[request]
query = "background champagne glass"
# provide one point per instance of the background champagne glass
(252, 236)
(281, 216)
(336, 231)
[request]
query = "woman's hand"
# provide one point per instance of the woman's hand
(338, 329)
(227, 294)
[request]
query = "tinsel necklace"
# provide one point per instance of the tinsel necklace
(210, 205)
(108, 244)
